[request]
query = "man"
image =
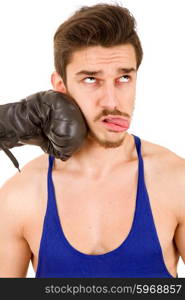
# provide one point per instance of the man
(116, 208)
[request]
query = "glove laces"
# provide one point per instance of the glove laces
(10, 155)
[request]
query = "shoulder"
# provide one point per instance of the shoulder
(20, 194)
(160, 157)
(29, 175)
(166, 171)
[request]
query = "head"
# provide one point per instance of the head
(97, 53)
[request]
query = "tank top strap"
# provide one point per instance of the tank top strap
(51, 160)
(51, 205)
(143, 209)
(138, 146)
(141, 180)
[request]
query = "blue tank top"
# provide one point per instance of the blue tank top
(139, 255)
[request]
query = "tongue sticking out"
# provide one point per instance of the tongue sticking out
(117, 121)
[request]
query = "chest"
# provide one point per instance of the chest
(97, 216)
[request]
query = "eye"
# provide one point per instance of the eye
(90, 79)
(125, 76)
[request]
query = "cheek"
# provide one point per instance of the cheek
(130, 94)
(84, 102)
(88, 111)
(85, 105)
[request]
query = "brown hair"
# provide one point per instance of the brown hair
(101, 24)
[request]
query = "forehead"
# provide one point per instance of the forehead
(96, 56)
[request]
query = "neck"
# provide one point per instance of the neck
(95, 161)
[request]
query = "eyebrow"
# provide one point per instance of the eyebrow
(92, 73)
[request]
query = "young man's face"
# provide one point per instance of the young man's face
(109, 92)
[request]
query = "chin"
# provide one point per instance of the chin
(106, 143)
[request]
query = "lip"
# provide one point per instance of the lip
(126, 121)
(113, 127)
(114, 117)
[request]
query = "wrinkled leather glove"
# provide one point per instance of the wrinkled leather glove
(49, 119)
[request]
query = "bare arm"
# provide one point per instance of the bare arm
(15, 253)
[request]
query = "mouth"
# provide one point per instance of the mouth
(115, 124)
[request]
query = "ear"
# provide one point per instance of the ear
(57, 82)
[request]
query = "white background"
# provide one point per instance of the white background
(26, 64)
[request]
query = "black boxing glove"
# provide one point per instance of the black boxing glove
(49, 119)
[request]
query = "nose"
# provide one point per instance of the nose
(108, 97)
